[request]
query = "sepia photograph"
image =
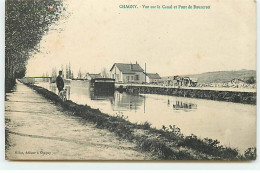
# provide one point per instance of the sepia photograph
(139, 80)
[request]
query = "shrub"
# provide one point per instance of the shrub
(250, 154)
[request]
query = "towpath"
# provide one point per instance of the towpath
(39, 130)
(248, 90)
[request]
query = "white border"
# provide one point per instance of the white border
(108, 165)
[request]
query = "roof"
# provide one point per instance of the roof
(153, 75)
(128, 68)
(94, 75)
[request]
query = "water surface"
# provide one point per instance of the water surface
(233, 124)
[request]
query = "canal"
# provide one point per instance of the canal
(233, 124)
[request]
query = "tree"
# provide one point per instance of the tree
(251, 80)
(26, 21)
(61, 69)
(54, 72)
(79, 74)
(104, 73)
(70, 73)
(67, 72)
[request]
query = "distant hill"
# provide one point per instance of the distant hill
(221, 76)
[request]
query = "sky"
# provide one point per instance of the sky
(98, 33)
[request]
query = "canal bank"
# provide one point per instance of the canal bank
(228, 122)
(218, 94)
(167, 143)
(39, 129)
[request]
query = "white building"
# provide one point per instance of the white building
(127, 73)
(152, 77)
(93, 76)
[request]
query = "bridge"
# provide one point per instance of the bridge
(38, 77)
(33, 79)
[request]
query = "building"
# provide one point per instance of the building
(127, 73)
(152, 77)
(93, 76)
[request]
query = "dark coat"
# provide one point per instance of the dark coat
(59, 83)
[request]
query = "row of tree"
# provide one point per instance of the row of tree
(68, 73)
(26, 21)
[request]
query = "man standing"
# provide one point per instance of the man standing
(59, 82)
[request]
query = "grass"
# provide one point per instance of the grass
(210, 147)
(167, 143)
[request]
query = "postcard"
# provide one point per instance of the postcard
(138, 80)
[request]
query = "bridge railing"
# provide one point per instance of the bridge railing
(32, 80)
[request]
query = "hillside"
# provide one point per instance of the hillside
(222, 76)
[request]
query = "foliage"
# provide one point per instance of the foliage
(146, 125)
(104, 73)
(26, 21)
(209, 146)
(251, 80)
(250, 154)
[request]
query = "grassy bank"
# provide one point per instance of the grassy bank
(166, 144)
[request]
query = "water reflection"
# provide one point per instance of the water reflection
(179, 105)
(234, 126)
(118, 101)
(124, 101)
(97, 95)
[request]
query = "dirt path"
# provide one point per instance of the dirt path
(40, 130)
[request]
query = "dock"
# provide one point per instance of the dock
(237, 95)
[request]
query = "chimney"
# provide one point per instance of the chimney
(131, 66)
(136, 62)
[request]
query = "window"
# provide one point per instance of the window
(132, 77)
(137, 77)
